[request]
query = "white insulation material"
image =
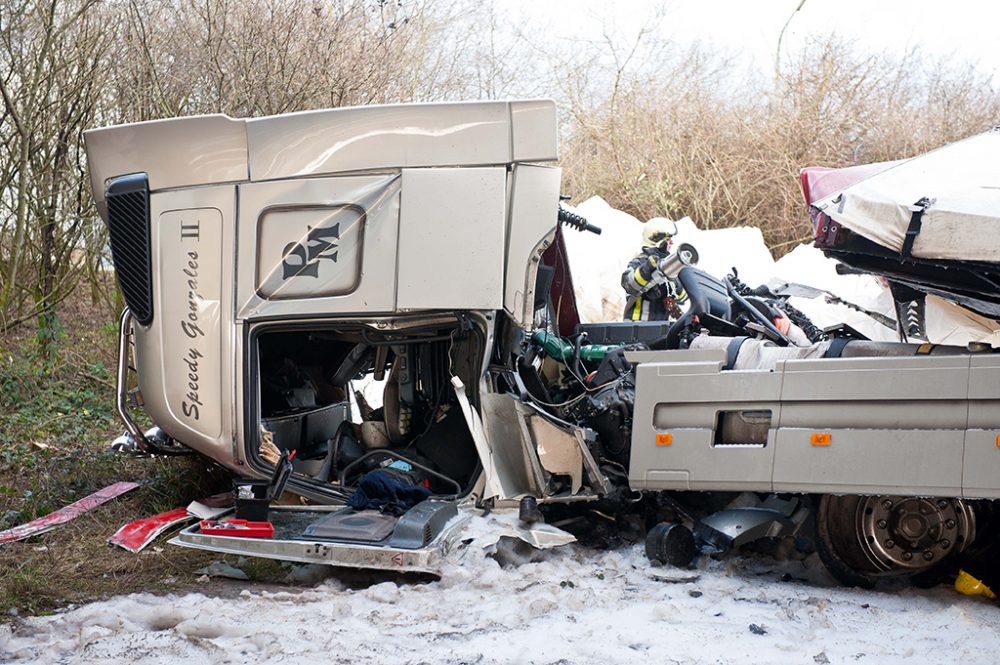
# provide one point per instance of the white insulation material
(597, 262)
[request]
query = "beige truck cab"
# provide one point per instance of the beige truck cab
(271, 264)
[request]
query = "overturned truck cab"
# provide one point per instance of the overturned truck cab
(333, 283)
(385, 292)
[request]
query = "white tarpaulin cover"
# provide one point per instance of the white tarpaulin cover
(962, 223)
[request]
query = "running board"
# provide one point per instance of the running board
(426, 559)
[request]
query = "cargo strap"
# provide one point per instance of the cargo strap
(836, 347)
(732, 351)
(913, 230)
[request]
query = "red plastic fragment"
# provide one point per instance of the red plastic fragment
(136, 535)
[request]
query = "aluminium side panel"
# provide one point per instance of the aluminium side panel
(534, 130)
(178, 152)
(531, 226)
(894, 426)
(394, 136)
(673, 432)
(981, 463)
(452, 230)
(318, 247)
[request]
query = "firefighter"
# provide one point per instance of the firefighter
(651, 296)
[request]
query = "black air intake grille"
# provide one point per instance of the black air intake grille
(128, 224)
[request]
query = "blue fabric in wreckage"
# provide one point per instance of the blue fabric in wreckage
(383, 491)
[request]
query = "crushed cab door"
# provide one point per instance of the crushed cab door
(531, 226)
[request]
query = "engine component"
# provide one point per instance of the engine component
(528, 511)
(671, 544)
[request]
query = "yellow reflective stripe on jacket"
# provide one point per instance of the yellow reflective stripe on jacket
(637, 310)
(638, 277)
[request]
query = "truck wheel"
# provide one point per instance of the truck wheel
(863, 538)
(670, 543)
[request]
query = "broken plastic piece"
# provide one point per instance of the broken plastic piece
(63, 515)
(137, 535)
(968, 585)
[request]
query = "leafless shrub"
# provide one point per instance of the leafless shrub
(70, 65)
(697, 140)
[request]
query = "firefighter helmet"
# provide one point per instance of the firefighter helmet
(657, 232)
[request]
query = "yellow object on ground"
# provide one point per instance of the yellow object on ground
(970, 586)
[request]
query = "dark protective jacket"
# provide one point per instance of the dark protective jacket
(645, 298)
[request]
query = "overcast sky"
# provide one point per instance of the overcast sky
(965, 30)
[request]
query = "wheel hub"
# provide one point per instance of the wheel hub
(908, 533)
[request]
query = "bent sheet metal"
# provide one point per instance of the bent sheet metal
(63, 515)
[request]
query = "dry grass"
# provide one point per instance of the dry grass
(696, 140)
(66, 405)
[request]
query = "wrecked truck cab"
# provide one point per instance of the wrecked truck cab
(386, 289)
(332, 283)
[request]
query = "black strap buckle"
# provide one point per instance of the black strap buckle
(913, 230)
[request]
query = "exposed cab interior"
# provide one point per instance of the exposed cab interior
(374, 420)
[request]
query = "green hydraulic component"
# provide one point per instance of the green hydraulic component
(558, 348)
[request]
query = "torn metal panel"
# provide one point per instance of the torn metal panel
(493, 487)
(733, 527)
(135, 536)
(489, 529)
(558, 451)
(63, 515)
(514, 460)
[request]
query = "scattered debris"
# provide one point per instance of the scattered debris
(688, 579)
(63, 515)
(309, 574)
(221, 569)
(135, 536)
(211, 507)
(757, 630)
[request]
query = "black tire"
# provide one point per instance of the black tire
(844, 555)
(671, 544)
(837, 541)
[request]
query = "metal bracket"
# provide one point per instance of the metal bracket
(139, 441)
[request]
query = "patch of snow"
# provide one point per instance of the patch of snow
(597, 261)
(574, 606)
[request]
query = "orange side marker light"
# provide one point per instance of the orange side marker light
(667, 439)
(823, 439)
(998, 440)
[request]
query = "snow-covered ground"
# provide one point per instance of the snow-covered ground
(575, 606)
